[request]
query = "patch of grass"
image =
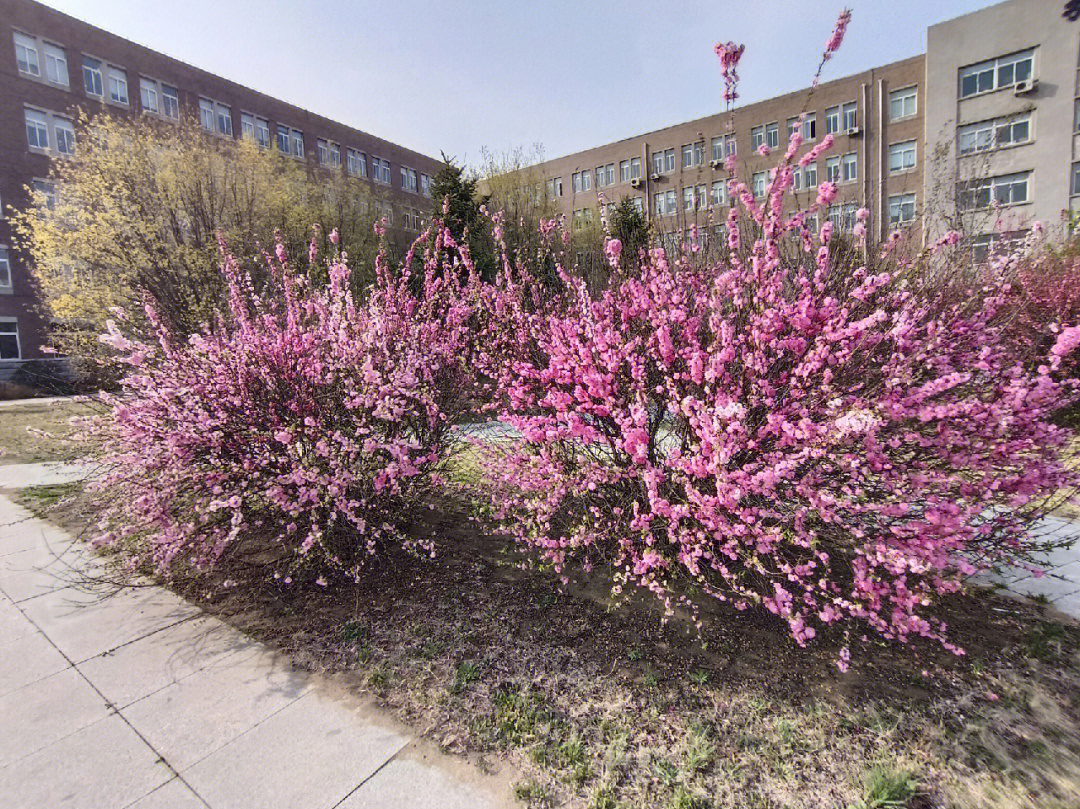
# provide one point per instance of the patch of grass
(682, 798)
(699, 677)
(634, 653)
(41, 431)
(533, 793)
(39, 499)
(353, 632)
(1044, 641)
(886, 788)
(468, 672)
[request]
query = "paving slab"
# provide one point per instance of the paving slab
(311, 754)
(13, 624)
(83, 624)
(27, 660)
(45, 569)
(46, 711)
(405, 782)
(173, 795)
(149, 664)
(103, 766)
(49, 473)
(190, 719)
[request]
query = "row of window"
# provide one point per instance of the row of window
(996, 74)
(996, 133)
(1005, 189)
(38, 58)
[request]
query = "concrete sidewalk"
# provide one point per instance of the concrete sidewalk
(141, 700)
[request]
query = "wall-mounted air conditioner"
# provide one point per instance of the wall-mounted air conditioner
(852, 131)
(1024, 87)
(635, 182)
(716, 164)
(655, 176)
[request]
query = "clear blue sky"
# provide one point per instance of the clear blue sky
(457, 75)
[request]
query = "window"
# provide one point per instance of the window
(809, 173)
(635, 168)
(425, 185)
(832, 120)
(605, 175)
(408, 179)
(262, 133)
(148, 95)
(729, 145)
(45, 193)
(355, 163)
(842, 216)
(772, 135)
(1074, 186)
(554, 187)
(832, 169)
(660, 204)
(901, 156)
(1006, 189)
(809, 127)
(206, 114)
(901, 209)
(903, 103)
(701, 196)
(796, 180)
(1076, 115)
(688, 156)
(624, 171)
(757, 137)
(719, 193)
(663, 161)
(670, 196)
(26, 54)
(5, 268)
(65, 136)
(118, 88)
(995, 74)
(380, 170)
(93, 81)
(283, 139)
(55, 64)
(247, 126)
(37, 129)
(717, 149)
(688, 198)
(850, 116)
(322, 152)
(298, 149)
(9, 338)
(994, 134)
(850, 167)
(224, 118)
(335, 157)
(170, 105)
(792, 127)
(758, 183)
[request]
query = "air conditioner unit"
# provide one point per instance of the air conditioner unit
(716, 163)
(655, 176)
(635, 182)
(1024, 87)
(853, 131)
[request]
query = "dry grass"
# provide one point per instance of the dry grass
(22, 427)
(611, 709)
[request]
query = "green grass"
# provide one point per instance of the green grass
(23, 445)
(39, 499)
(887, 788)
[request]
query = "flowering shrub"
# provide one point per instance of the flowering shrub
(803, 430)
(303, 428)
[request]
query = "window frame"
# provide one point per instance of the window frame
(94, 70)
(115, 73)
(994, 68)
(5, 262)
(33, 48)
(13, 321)
(898, 95)
(902, 149)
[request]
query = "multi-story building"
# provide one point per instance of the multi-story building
(1004, 115)
(55, 65)
(986, 121)
(678, 176)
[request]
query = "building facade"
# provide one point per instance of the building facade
(53, 65)
(1004, 114)
(678, 177)
(984, 127)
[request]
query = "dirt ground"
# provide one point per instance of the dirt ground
(39, 431)
(603, 707)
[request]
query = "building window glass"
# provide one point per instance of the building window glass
(832, 120)
(37, 129)
(809, 173)
(118, 88)
(9, 338)
(56, 69)
(688, 198)
(65, 136)
(283, 139)
(206, 114)
(93, 81)
(44, 192)
(380, 170)
(408, 179)
(719, 193)
(850, 117)
(757, 137)
(262, 133)
(850, 166)
(729, 145)
(1075, 179)
(995, 74)
(170, 102)
(994, 134)
(901, 209)
(832, 169)
(5, 268)
(298, 144)
(425, 185)
(26, 54)
(355, 163)
(772, 135)
(758, 183)
(903, 103)
(901, 156)
(148, 95)
(224, 119)
(1006, 189)
(247, 126)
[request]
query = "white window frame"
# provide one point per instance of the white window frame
(297, 142)
(355, 162)
(772, 135)
(809, 175)
(149, 91)
(247, 126)
(30, 62)
(18, 343)
(902, 156)
(262, 132)
(719, 193)
(223, 119)
(206, 114)
(116, 75)
(994, 67)
(832, 120)
(902, 97)
(849, 167)
(898, 205)
(985, 136)
(832, 169)
(39, 120)
(65, 143)
(759, 184)
(170, 102)
(7, 285)
(991, 187)
(55, 59)
(95, 67)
